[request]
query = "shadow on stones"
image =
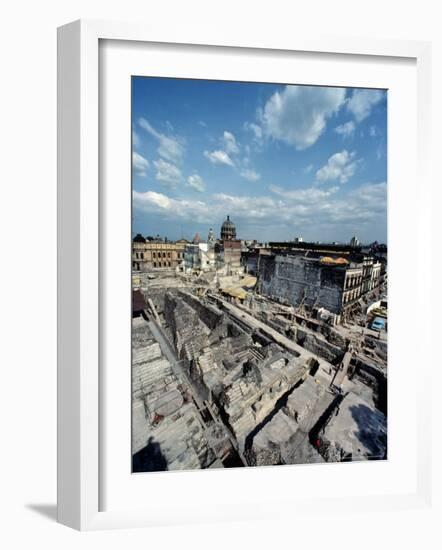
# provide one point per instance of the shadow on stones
(150, 458)
(370, 432)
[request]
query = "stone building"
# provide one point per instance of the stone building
(155, 255)
(228, 230)
(199, 256)
(229, 249)
(376, 275)
(333, 277)
(231, 254)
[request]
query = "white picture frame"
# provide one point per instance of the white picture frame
(79, 265)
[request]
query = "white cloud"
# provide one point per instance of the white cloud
(135, 139)
(256, 209)
(196, 182)
(308, 168)
(314, 209)
(347, 129)
(158, 203)
(254, 128)
(219, 157)
(151, 198)
(381, 150)
(340, 167)
(250, 174)
(167, 173)
(229, 143)
(362, 101)
(169, 147)
(297, 115)
(308, 195)
(258, 136)
(139, 164)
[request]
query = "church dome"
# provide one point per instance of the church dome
(228, 230)
(139, 238)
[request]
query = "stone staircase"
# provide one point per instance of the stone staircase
(146, 375)
(206, 361)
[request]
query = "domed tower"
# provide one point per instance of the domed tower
(228, 230)
(139, 238)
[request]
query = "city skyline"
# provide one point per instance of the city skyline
(281, 160)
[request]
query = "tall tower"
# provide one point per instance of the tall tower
(354, 242)
(211, 238)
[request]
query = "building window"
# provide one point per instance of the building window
(154, 254)
(169, 264)
(155, 264)
(168, 254)
(164, 254)
(136, 255)
(142, 255)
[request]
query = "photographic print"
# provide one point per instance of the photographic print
(259, 274)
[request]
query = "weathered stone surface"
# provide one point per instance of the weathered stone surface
(302, 403)
(167, 432)
(318, 345)
(356, 431)
(230, 382)
(293, 279)
(268, 443)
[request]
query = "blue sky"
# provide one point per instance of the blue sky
(281, 160)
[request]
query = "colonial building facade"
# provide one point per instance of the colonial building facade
(154, 255)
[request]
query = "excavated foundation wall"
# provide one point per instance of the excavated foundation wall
(375, 378)
(209, 315)
(291, 279)
(168, 310)
(157, 296)
(311, 342)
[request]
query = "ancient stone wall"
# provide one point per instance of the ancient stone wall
(209, 315)
(318, 346)
(251, 263)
